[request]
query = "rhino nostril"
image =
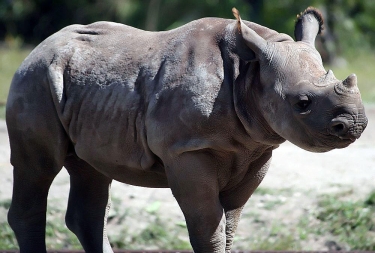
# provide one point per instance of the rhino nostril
(338, 127)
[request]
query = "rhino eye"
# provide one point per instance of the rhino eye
(303, 103)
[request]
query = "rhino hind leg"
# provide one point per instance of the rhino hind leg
(88, 205)
(38, 149)
(27, 213)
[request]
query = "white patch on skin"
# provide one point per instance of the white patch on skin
(206, 96)
(271, 52)
(55, 75)
(229, 33)
(279, 89)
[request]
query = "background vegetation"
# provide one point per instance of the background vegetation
(350, 23)
(342, 223)
(347, 46)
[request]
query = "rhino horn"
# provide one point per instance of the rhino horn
(350, 82)
(251, 38)
(348, 86)
(308, 25)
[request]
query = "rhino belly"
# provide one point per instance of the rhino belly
(107, 128)
(121, 156)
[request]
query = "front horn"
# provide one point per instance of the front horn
(308, 25)
(348, 86)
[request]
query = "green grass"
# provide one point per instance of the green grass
(352, 222)
(10, 59)
(335, 218)
(7, 238)
(158, 232)
(276, 237)
(339, 220)
(268, 191)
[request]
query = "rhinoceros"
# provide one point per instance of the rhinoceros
(197, 109)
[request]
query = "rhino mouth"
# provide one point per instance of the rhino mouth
(345, 129)
(340, 132)
(344, 142)
(328, 142)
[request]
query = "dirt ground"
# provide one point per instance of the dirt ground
(306, 174)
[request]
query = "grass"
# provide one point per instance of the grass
(275, 237)
(352, 222)
(157, 233)
(334, 220)
(10, 59)
(7, 238)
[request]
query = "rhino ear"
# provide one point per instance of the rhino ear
(255, 42)
(308, 25)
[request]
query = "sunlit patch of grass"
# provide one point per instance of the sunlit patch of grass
(7, 239)
(158, 233)
(336, 221)
(58, 236)
(271, 191)
(277, 237)
(352, 222)
(10, 59)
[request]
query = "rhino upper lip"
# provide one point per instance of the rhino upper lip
(345, 141)
(338, 141)
(352, 139)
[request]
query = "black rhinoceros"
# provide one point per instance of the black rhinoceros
(198, 109)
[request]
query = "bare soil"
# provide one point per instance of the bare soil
(305, 175)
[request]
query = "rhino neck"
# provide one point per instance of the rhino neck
(247, 108)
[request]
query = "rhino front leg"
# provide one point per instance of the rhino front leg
(233, 200)
(88, 205)
(193, 180)
(232, 218)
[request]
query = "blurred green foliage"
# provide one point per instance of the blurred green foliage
(34, 20)
(349, 32)
(350, 23)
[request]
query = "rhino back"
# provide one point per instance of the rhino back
(110, 82)
(124, 95)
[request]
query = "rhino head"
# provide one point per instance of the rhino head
(298, 99)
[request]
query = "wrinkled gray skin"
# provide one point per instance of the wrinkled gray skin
(198, 109)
